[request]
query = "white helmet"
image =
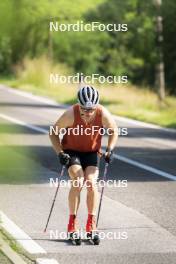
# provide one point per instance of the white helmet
(88, 97)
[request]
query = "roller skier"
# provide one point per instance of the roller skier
(80, 154)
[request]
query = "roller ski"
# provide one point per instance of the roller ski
(92, 234)
(74, 238)
(73, 231)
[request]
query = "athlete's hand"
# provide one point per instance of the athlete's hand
(64, 158)
(108, 156)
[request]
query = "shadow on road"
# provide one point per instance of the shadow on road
(35, 164)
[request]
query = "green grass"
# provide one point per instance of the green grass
(16, 163)
(124, 100)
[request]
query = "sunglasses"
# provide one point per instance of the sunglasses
(88, 110)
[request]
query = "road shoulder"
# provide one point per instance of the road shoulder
(9, 251)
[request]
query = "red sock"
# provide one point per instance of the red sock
(72, 225)
(71, 218)
(91, 224)
(90, 216)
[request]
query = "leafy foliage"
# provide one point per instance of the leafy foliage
(24, 31)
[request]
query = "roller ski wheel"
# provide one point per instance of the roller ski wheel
(74, 238)
(93, 238)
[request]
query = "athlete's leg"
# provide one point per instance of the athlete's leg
(77, 176)
(91, 175)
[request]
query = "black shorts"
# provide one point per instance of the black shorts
(84, 159)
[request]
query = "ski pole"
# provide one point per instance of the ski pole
(61, 174)
(102, 191)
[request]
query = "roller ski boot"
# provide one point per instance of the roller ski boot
(91, 231)
(73, 231)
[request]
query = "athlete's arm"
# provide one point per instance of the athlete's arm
(64, 121)
(112, 129)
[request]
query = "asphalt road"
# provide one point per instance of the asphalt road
(144, 211)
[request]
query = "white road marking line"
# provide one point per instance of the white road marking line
(21, 123)
(31, 96)
(143, 124)
(18, 234)
(46, 261)
(122, 158)
(52, 102)
(146, 167)
(117, 118)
